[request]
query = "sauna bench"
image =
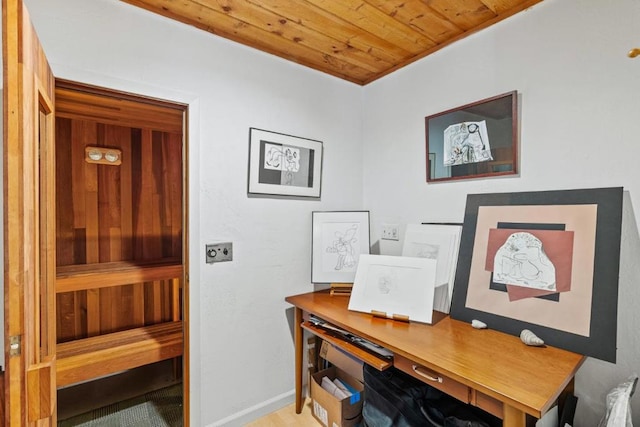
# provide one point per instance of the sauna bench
(89, 358)
(148, 341)
(92, 276)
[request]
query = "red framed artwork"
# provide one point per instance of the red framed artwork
(544, 261)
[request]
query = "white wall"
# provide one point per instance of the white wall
(242, 346)
(579, 103)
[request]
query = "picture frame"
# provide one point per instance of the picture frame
(395, 287)
(284, 165)
(338, 240)
(577, 232)
(475, 140)
(440, 242)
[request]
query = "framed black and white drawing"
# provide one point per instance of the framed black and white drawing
(395, 287)
(547, 261)
(284, 165)
(439, 242)
(338, 239)
(476, 140)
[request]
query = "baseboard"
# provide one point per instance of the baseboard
(244, 417)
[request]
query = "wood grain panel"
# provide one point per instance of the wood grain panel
(173, 188)
(210, 20)
(28, 249)
(412, 13)
(118, 227)
(115, 111)
(153, 296)
(41, 402)
(66, 326)
(502, 6)
(375, 21)
(175, 303)
(139, 304)
(356, 40)
(89, 358)
(337, 28)
(113, 213)
(76, 278)
(64, 222)
(294, 30)
(93, 312)
(466, 14)
(126, 200)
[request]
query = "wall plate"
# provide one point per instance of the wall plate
(219, 252)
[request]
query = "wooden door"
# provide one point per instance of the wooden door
(29, 224)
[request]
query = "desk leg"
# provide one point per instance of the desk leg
(513, 417)
(299, 343)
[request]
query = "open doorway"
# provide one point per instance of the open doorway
(120, 194)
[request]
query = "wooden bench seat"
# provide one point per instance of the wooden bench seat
(94, 357)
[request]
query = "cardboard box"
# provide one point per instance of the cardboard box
(329, 410)
(342, 360)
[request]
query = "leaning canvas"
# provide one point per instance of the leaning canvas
(439, 242)
(396, 286)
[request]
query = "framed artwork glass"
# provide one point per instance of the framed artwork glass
(338, 239)
(475, 140)
(545, 261)
(284, 165)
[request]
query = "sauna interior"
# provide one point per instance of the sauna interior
(119, 238)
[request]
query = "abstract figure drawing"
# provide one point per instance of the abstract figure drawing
(464, 143)
(521, 261)
(343, 246)
(282, 158)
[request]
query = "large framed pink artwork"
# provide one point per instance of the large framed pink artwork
(545, 261)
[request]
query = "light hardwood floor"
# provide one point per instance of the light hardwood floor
(287, 417)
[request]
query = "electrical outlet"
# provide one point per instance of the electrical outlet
(390, 232)
(219, 252)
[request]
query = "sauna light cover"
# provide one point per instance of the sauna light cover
(103, 155)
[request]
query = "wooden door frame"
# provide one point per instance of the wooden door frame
(29, 261)
(109, 92)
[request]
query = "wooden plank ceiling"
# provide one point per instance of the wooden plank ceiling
(357, 40)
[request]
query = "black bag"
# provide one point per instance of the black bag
(395, 399)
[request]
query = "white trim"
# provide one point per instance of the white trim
(254, 412)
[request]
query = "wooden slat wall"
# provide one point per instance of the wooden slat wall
(356, 40)
(109, 214)
(75, 104)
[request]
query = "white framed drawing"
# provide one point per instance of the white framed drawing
(284, 165)
(440, 242)
(396, 286)
(338, 239)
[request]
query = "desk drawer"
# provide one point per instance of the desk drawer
(487, 403)
(429, 376)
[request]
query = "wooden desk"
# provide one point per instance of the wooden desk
(495, 368)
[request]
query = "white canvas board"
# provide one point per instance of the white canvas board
(395, 285)
(441, 243)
